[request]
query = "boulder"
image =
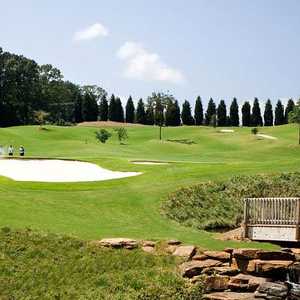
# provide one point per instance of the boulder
(185, 251)
(216, 283)
(271, 290)
(229, 296)
(246, 283)
(274, 255)
(173, 242)
(193, 268)
(218, 255)
(118, 243)
(221, 271)
(240, 264)
(148, 244)
(269, 267)
(148, 249)
(171, 248)
(199, 257)
(245, 253)
(295, 251)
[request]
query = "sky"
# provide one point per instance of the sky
(212, 48)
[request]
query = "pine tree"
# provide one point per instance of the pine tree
(222, 114)
(198, 111)
(103, 109)
(289, 108)
(129, 111)
(211, 110)
(234, 113)
(268, 114)
(89, 108)
(279, 114)
(173, 114)
(246, 114)
(140, 112)
(119, 111)
(112, 109)
(256, 118)
(149, 115)
(186, 114)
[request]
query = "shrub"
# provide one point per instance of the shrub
(213, 205)
(121, 133)
(254, 131)
(102, 135)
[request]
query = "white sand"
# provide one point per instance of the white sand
(227, 130)
(57, 171)
(149, 163)
(265, 136)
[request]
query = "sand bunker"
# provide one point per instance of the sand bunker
(50, 170)
(265, 136)
(227, 130)
(149, 163)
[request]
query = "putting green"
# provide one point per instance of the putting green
(130, 207)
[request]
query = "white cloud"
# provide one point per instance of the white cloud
(142, 64)
(91, 32)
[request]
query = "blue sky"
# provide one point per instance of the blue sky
(213, 48)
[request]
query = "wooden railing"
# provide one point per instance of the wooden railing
(272, 211)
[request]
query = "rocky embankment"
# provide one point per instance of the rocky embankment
(232, 274)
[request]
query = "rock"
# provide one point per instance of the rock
(221, 271)
(199, 257)
(240, 264)
(269, 267)
(170, 249)
(245, 254)
(229, 296)
(274, 255)
(246, 283)
(218, 255)
(295, 251)
(173, 242)
(271, 289)
(229, 250)
(148, 249)
(185, 251)
(193, 268)
(118, 243)
(216, 283)
(148, 244)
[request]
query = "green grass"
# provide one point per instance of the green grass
(48, 266)
(131, 207)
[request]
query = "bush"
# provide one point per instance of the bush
(214, 205)
(121, 133)
(254, 131)
(102, 135)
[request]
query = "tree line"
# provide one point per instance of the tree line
(27, 88)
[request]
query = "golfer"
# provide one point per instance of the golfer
(22, 151)
(10, 150)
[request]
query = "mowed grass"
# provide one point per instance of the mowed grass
(130, 207)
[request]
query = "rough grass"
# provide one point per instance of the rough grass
(130, 207)
(48, 266)
(214, 205)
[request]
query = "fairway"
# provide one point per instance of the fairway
(130, 207)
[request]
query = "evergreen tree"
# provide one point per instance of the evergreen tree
(130, 111)
(149, 115)
(256, 118)
(268, 114)
(103, 109)
(211, 110)
(186, 114)
(173, 114)
(198, 111)
(246, 114)
(119, 111)
(234, 113)
(222, 114)
(89, 108)
(279, 114)
(140, 112)
(112, 116)
(289, 108)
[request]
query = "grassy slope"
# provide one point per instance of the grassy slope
(130, 207)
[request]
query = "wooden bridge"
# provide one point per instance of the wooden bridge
(272, 219)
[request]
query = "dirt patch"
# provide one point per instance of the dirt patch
(235, 234)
